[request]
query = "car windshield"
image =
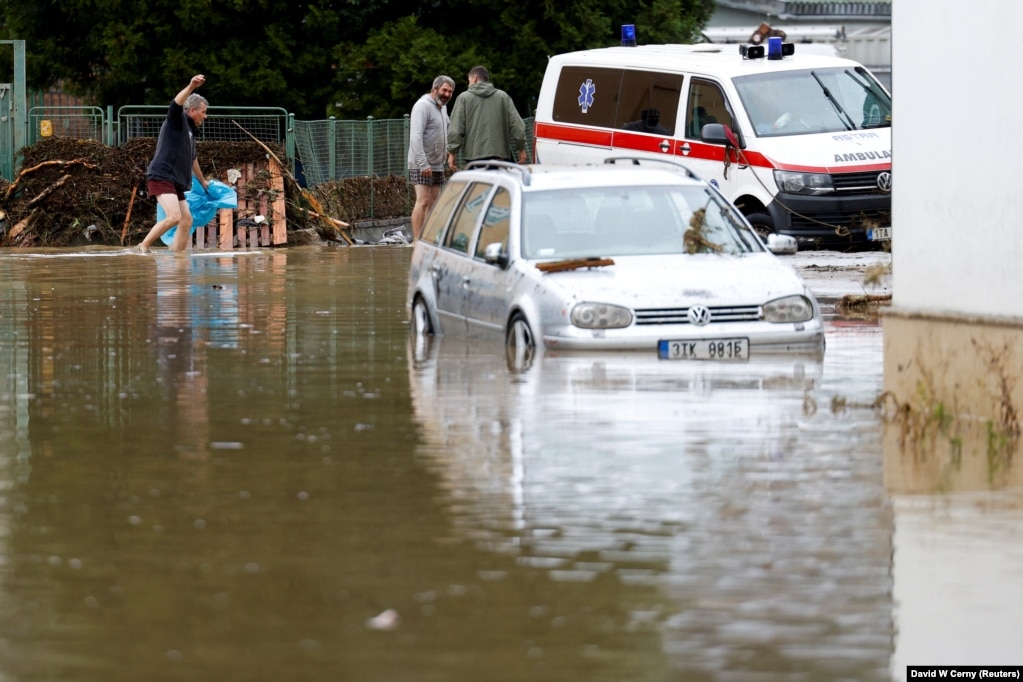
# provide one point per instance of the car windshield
(631, 221)
(814, 101)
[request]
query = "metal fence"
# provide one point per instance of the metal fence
(334, 150)
(83, 123)
(317, 151)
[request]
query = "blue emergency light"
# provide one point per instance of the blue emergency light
(776, 49)
(629, 35)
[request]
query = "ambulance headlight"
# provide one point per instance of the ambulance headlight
(794, 182)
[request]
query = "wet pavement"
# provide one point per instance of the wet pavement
(240, 466)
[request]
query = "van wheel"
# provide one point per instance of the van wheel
(762, 224)
(421, 323)
(519, 343)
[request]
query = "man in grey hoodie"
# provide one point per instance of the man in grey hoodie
(484, 123)
(428, 133)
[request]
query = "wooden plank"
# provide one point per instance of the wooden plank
(226, 227)
(250, 205)
(243, 203)
(264, 227)
(279, 211)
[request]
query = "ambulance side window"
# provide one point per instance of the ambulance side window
(649, 102)
(587, 96)
(706, 104)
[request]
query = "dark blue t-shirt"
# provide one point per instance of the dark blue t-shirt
(175, 149)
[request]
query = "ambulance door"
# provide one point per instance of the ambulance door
(706, 103)
(581, 118)
(647, 118)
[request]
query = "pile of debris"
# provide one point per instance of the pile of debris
(72, 191)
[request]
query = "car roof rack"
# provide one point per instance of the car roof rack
(490, 164)
(638, 161)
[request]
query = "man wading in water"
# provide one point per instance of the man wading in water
(170, 173)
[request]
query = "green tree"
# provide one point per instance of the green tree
(384, 74)
(339, 57)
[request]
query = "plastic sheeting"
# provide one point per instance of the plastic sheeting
(203, 205)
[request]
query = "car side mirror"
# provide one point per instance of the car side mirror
(780, 244)
(494, 254)
(719, 133)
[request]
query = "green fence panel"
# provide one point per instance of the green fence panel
(332, 150)
(269, 125)
(83, 123)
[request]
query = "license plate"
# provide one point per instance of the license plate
(733, 350)
(879, 234)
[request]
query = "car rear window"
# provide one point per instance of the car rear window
(433, 231)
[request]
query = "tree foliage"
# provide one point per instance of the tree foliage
(339, 57)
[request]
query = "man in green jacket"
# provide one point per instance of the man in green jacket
(484, 123)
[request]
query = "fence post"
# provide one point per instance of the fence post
(109, 134)
(405, 127)
(289, 143)
(371, 166)
(332, 148)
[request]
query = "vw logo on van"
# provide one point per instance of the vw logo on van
(699, 315)
(884, 181)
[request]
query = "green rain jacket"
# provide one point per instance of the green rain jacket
(485, 124)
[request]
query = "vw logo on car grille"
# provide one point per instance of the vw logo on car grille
(699, 315)
(884, 181)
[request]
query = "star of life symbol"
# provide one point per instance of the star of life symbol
(586, 91)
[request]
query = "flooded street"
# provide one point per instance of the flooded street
(240, 467)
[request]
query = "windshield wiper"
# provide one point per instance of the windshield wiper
(846, 118)
(860, 80)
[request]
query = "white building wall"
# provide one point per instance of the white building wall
(957, 145)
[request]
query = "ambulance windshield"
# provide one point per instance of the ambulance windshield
(814, 101)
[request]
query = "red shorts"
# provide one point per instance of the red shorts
(158, 187)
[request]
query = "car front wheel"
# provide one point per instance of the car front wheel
(421, 323)
(520, 344)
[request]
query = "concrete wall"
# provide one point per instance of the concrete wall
(954, 334)
(958, 201)
(953, 339)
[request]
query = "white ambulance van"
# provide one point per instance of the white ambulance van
(800, 143)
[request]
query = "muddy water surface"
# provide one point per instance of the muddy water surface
(238, 466)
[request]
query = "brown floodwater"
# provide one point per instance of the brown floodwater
(239, 466)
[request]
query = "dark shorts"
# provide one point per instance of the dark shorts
(416, 177)
(158, 187)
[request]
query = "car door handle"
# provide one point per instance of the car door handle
(465, 282)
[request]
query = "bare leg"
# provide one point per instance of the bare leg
(425, 196)
(172, 210)
(182, 236)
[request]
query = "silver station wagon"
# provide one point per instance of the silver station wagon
(626, 255)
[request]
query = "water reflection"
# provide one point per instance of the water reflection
(743, 537)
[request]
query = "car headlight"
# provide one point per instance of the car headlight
(600, 316)
(789, 309)
(794, 182)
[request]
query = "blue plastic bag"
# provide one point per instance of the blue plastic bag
(203, 205)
